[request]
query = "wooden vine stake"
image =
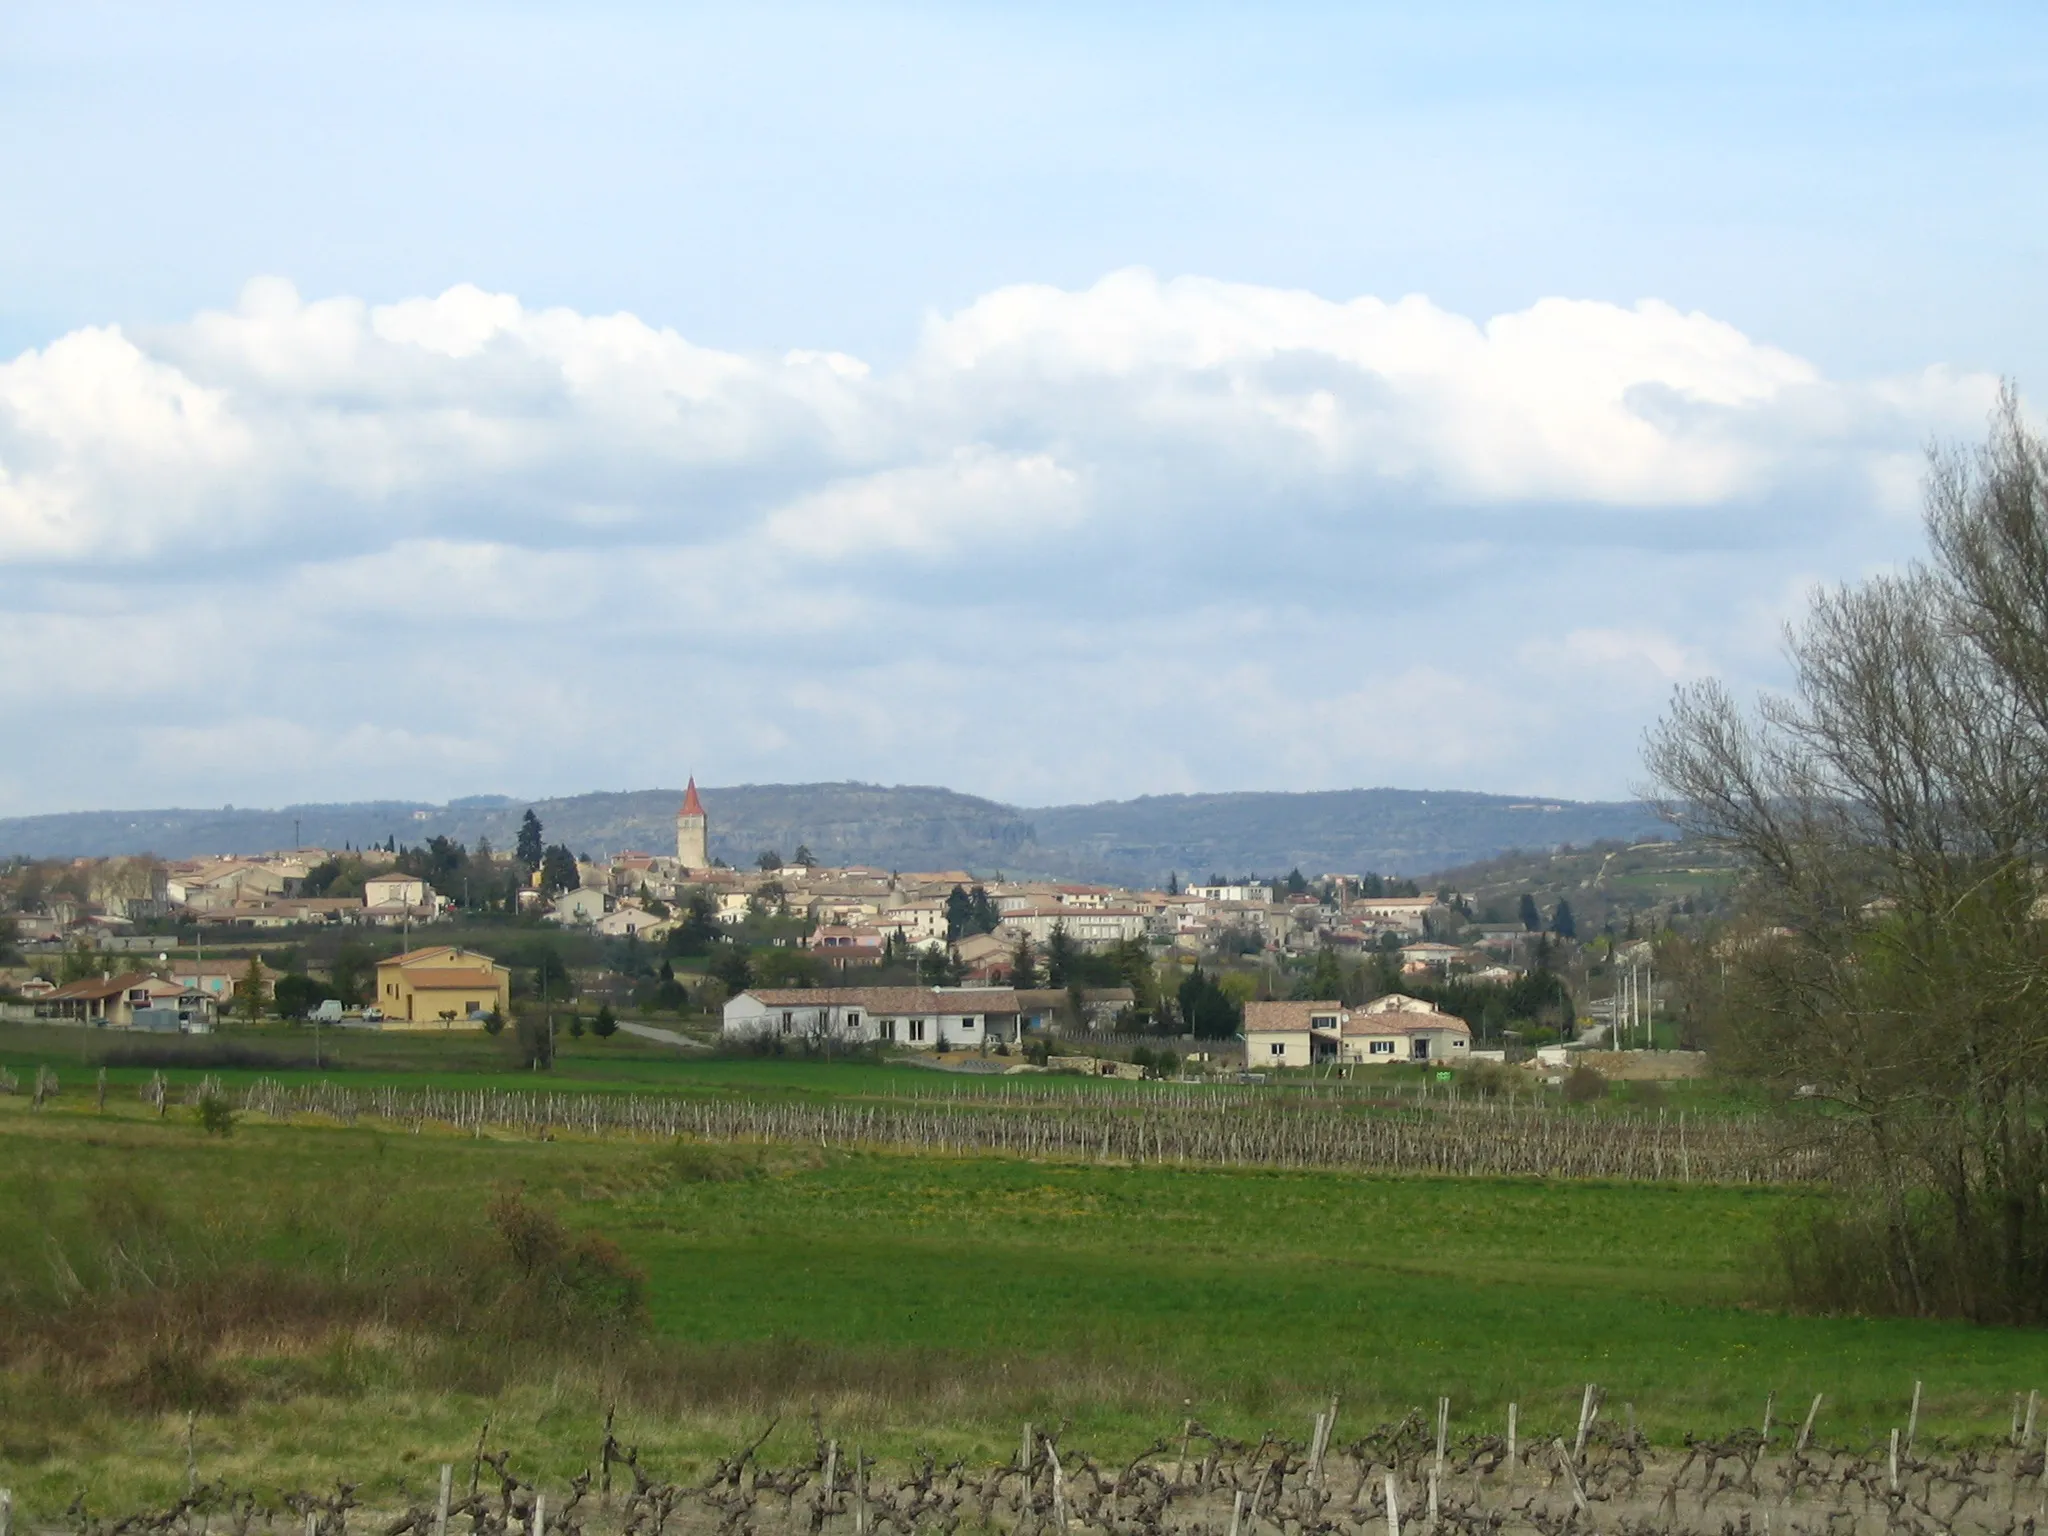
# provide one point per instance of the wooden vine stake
(1913, 1422)
(1393, 1508)
(1589, 1405)
(1806, 1429)
(441, 1503)
(1571, 1471)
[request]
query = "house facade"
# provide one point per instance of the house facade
(441, 988)
(126, 1001)
(1387, 1030)
(919, 1017)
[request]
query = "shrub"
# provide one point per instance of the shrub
(1647, 1094)
(1487, 1079)
(576, 1026)
(215, 1116)
(1584, 1085)
(606, 1024)
(566, 1279)
(494, 1022)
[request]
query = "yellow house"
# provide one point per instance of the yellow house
(440, 988)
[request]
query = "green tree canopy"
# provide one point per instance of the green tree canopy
(558, 871)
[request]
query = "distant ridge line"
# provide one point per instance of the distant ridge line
(1132, 842)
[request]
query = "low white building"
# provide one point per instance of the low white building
(396, 891)
(1390, 1029)
(921, 1017)
(633, 923)
(578, 908)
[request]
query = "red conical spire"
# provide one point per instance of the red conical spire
(692, 806)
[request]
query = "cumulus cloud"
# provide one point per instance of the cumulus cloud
(1221, 534)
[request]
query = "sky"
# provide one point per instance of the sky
(1057, 403)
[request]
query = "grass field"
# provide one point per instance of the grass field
(624, 1063)
(912, 1299)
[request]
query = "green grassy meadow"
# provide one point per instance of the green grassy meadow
(911, 1300)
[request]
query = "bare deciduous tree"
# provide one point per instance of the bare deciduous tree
(1892, 812)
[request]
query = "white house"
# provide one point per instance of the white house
(1386, 1030)
(923, 1017)
(396, 890)
(633, 923)
(582, 906)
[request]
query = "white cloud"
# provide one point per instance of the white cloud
(975, 496)
(1193, 533)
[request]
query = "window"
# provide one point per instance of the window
(1279, 1048)
(967, 1026)
(788, 1019)
(471, 1007)
(916, 1030)
(1322, 1021)
(853, 1019)
(1380, 1048)
(888, 1029)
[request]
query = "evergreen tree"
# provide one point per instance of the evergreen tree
(805, 857)
(1206, 1009)
(529, 850)
(1059, 956)
(1173, 883)
(558, 871)
(606, 1024)
(732, 967)
(1023, 965)
(959, 914)
(1562, 923)
(986, 919)
(1532, 919)
(249, 995)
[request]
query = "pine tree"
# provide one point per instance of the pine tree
(1532, 919)
(249, 996)
(1023, 965)
(959, 914)
(529, 850)
(1059, 956)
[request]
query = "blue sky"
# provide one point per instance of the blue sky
(1016, 398)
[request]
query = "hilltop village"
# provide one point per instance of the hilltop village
(1295, 971)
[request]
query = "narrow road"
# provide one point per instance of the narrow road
(665, 1036)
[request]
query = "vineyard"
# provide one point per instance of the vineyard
(1203, 1126)
(1412, 1475)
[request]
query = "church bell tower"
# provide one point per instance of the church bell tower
(692, 844)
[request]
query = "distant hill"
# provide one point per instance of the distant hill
(1343, 831)
(1137, 842)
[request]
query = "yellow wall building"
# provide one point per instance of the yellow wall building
(440, 988)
